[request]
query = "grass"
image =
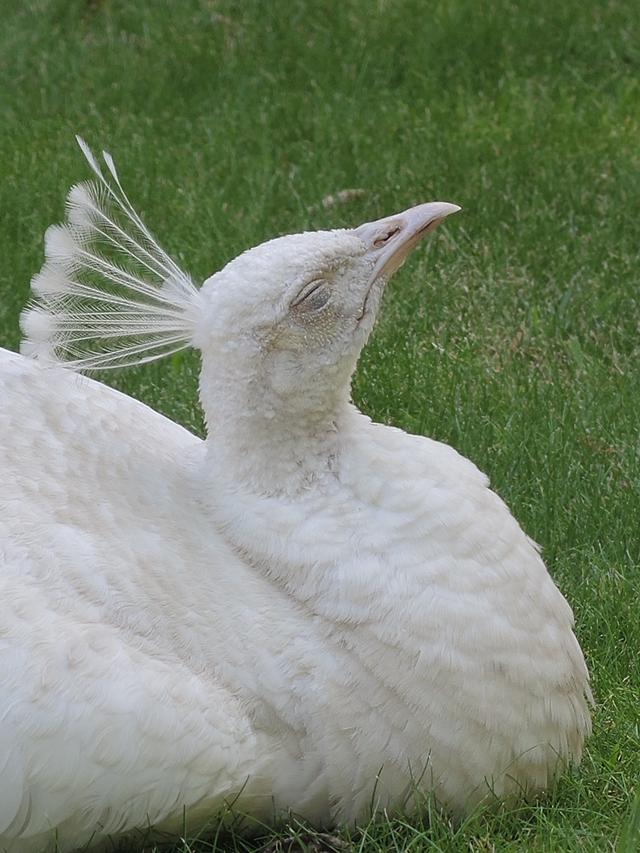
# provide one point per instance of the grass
(514, 335)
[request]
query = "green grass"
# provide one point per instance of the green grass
(513, 335)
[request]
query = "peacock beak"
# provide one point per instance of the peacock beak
(391, 239)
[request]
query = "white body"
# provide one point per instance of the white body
(306, 612)
(314, 657)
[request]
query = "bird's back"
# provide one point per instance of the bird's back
(128, 628)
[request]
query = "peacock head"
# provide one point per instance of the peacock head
(295, 312)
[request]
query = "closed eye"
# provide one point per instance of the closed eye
(313, 296)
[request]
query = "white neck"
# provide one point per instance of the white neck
(269, 443)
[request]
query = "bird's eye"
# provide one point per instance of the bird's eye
(313, 296)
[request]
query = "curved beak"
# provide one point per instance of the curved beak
(391, 239)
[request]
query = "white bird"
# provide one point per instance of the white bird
(306, 612)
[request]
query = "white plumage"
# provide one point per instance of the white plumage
(306, 611)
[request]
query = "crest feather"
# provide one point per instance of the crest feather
(107, 295)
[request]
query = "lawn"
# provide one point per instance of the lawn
(512, 335)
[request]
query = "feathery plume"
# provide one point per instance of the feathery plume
(108, 295)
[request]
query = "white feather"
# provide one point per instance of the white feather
(117, 298)
(306, 612)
